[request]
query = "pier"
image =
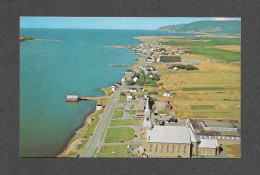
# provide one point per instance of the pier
(76, 98)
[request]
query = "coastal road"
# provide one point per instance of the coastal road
(96, 140)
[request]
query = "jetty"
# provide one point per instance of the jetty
(76, 98)
(119, 65)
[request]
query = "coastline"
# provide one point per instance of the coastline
(71, 147)
(74, 141)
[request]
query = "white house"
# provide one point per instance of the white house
(99, 107)
(167, 94)
(151, 76)
(113, 88)
(129, 97)
(175, 68)
(135, 79)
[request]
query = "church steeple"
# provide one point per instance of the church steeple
(147, 123)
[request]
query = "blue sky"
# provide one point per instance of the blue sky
(108, 22)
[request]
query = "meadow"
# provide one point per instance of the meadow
(212, 47)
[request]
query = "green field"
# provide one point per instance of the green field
(132, 106)
(204, 89)
(132, 111)
(119, 108)
(116, 155)
(197, 107)
(118, 134)
(123, 122)
(116, 148)
(206, 46)
(117, 114)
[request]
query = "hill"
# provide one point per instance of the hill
(206, 27)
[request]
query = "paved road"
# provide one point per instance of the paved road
(96, 140)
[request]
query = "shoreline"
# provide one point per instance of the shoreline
(73, 142)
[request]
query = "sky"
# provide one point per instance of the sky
(142, 23)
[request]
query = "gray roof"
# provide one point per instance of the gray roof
(171, 134)
(208, 143)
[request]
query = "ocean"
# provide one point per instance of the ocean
(76, 62)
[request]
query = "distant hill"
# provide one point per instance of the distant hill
(206, 27)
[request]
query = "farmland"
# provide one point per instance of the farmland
(212, 91)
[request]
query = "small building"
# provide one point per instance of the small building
(99, 107)
(113, 88)
(129, 97)
(208, 147)
(168, 105)
(175, 68)
(135, 79)
(166, 94)
(140, 105)
(72, 98)
(139, 113)
(169, 59)
(122, 79)
(141, 97)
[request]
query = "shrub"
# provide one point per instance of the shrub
(191, 67)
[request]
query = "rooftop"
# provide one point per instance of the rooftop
(208, 143)
(171, 134)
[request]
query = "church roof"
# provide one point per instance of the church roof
(208, 143)
(171, 134)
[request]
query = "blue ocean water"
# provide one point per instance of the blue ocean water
(76, 64)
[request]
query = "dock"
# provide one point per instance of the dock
(76, 98)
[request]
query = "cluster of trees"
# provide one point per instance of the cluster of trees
(144, 79)
(182, 66)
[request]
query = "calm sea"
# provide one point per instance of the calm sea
(49, 70)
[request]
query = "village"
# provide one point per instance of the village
(142, 119)
(142, 126)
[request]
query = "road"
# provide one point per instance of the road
(96, 140)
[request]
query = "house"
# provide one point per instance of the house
(140, 105)
(139, 113)
(135, 79)
(141, 97)
(169, 59)
(168, 105)
(166, 94)
(151, 76)
(113, 88)
(99, 107)
(72, 98)
(129, 97)
(175, 68)
(123, 79)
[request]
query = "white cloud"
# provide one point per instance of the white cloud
(225, 19)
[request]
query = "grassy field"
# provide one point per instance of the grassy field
(117, 114)
(115, 148)
(118, 134)
(119, 108)
(214, 84)
(132, 111)
(198, 107)
(233, 151)
(124, 122)
(206, 46)
(115, 155)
